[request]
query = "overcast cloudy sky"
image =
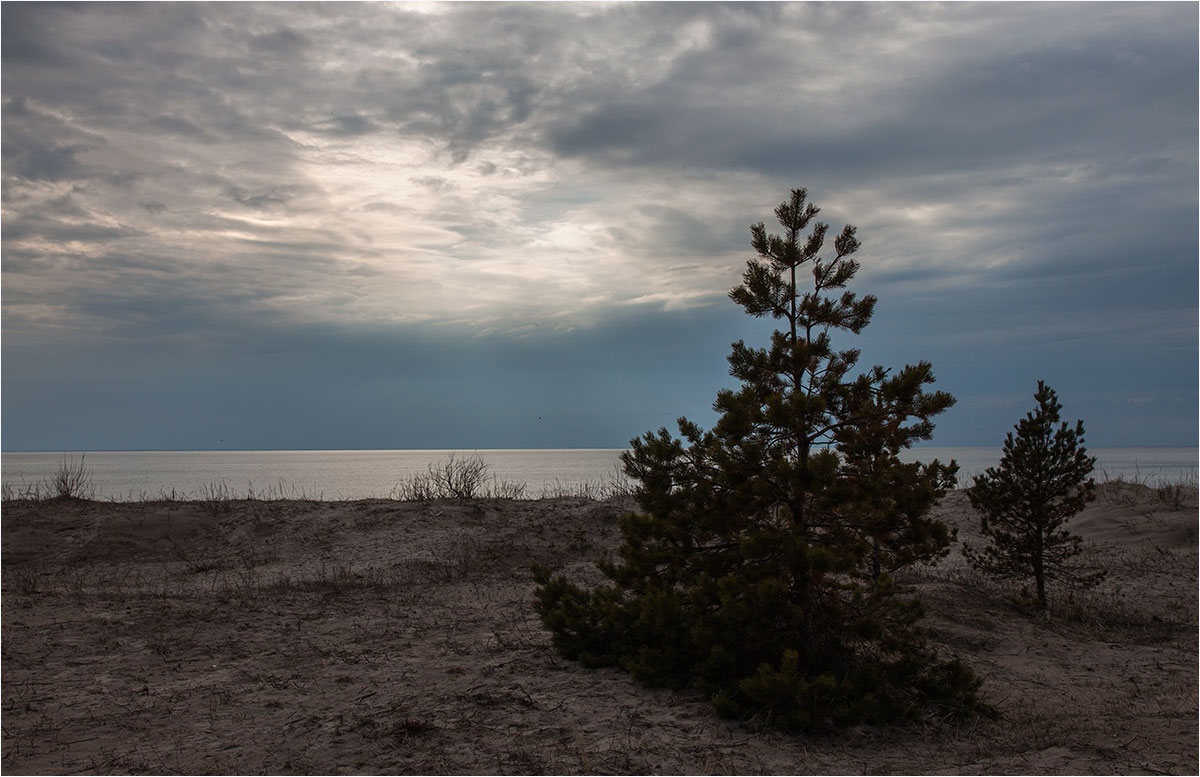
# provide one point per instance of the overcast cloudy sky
(489, 225)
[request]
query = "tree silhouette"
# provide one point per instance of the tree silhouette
(760, 565)
(1043, 479)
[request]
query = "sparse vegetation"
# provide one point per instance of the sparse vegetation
(1178, 494)
(157, 637)
(216, 498)
(596, 490)
(72, 480)
(454, 478)
(1043, 479)
(25, 492)
(457, 478)
(470, 478)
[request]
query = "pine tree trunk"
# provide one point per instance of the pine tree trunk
(797, 370)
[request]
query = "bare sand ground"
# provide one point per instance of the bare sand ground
(244, 637)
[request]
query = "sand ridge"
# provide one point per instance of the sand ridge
(377, 636)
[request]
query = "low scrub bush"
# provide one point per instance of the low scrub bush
(72, 480)
(457, 478)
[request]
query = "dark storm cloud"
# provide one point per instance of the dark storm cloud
(682, 232)
(264, 199)
(41, 147)
(225, 180)
(282, 41)
(461, 100)
(40, 161)
(996, 100)
(173, 125)
(346, 125)
(26, 39)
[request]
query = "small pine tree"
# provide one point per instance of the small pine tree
(760, 566)
(1043, 479)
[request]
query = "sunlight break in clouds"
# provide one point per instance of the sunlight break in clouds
(411, 163)
(268, 188)
(244, 193)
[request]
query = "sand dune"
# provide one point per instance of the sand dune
(383, 637)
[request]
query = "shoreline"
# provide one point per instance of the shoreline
(349, 475)
(1168, 490)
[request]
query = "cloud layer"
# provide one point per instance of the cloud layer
(212, 177)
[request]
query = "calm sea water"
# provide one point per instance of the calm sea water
(364, 474)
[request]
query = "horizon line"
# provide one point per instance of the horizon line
(82, 451)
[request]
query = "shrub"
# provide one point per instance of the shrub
(457, 478)
(72, 480)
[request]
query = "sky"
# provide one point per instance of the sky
(472, 226)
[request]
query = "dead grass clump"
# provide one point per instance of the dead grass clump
(216, 499)
(1107, 606)
(1112, 611)
(504, 489)
(457, 478)
(334, 579)
(13, 494)
(25, 579)
(1177, 493)
(402, 580)
(615, 486)
(1113, 608)
(1146, 558)
(72, 480)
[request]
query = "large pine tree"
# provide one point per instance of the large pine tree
(1043, 479)
(760, 564)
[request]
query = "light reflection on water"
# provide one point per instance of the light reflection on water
(364, 474)
(1143, 465)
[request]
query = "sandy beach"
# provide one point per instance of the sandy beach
(364, 637)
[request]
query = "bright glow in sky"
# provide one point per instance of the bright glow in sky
(428, 225)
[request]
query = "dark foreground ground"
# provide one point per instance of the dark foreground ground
(383, 637)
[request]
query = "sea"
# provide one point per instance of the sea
(365, 474)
